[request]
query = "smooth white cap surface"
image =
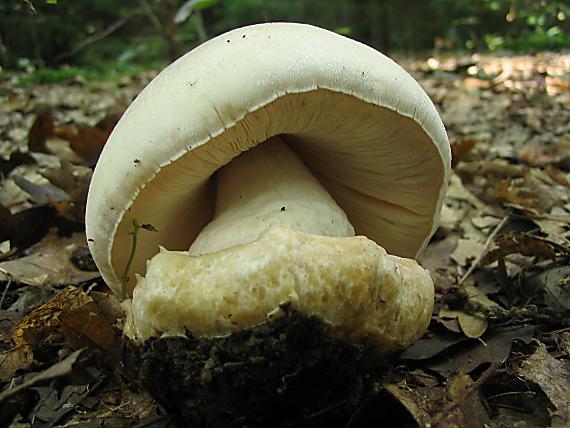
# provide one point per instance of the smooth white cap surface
(362, 125)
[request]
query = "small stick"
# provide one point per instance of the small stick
(485, 376)
(486, 246)
(7, 287)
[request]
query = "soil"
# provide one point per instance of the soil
(287, 372)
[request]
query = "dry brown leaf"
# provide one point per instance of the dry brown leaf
(59, 369)
(495, 350)
(452, 324)
(491, 169)
(88, 141)
(558, 176)
(472, 325)
(470, 411)
(564, 343)
(467, 250)
(477, 296)
(49, 263)
(552, 376)
(458, 387)
(74, 180)
(450, 217)
(75, 316)
(41, 130)
(26, 227)
(555, 283)
(520, 243)
(416, 404)
(431, 345)
(457, 191)
(41, 326)
(15, 359)
(460, 149)
(509, 191)
(485, 222)
(87, 326)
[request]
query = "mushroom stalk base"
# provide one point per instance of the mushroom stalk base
(359, 291)
(277, 374)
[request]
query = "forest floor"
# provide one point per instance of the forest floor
(497, 352)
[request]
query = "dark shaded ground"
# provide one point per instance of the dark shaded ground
(285, 373)
(497, 350)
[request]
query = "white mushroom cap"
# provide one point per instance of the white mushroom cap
(362, 125)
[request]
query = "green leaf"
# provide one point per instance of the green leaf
(205, 4)
(51, 1)
(344, 31)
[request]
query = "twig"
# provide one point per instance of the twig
(506, 394)
(470, 390)
(486, 246)
(74, 402)
(5, 292)
(151, 15)
(95, 37)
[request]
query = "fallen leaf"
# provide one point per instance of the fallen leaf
(556, 285)
(13, 360)
(467, 251)
(49, 263)
(457, 191)
(494, 349)
(564, 343)
(53, 404)
(553, 230)
(469, 411)
(41, 194)
(452, 324)
(41, 326)
(74, 180)
(520, 243)
(472, 325)
(485, 222)
(460, 149)
(15, 159)
(496, 169)
(436, 259)
(450, 217)
(86, 326)
(510, 191)
(416, 405)
(552, 376)
(27, 227)
(59, 369)
(458, 387)
(41, 130)
(434, 343)
(88, 141)
(557, 176)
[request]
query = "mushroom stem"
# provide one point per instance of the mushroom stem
(265, 186)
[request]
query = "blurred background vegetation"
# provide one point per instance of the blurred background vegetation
(112, 36)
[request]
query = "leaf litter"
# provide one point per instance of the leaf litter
(497, 351)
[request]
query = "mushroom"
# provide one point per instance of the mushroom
(257, 157)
